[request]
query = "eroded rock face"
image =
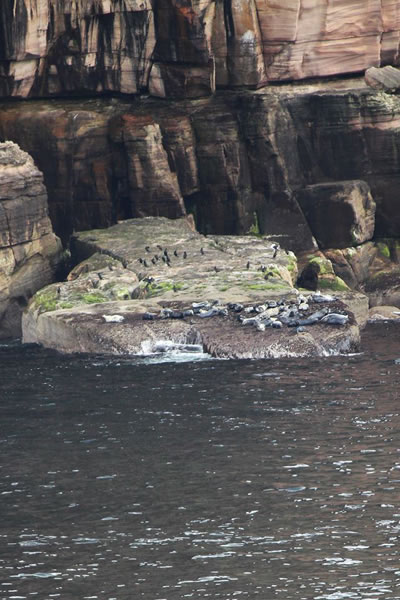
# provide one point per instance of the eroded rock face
(236, 161)
(340, 214)
(187, 49)
(29, 250)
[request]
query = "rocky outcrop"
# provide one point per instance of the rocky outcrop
(187, 49)
(232, 297)
(29, 250)
(236, 161)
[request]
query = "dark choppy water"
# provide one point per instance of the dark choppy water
(214, 479)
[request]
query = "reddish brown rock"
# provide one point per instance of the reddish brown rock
(29, 250)
(187, 48)
(340, 214)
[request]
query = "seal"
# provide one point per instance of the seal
(335, 319)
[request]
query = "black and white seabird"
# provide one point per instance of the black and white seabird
(275, 248)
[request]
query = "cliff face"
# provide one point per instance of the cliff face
(187, 48)
(236, 160)
(29, 250)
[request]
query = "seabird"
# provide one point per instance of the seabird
(147, 248)
(145, 264)
(248, 265)
(153, 260)
(159, 247)
(201, 250)
(275, 248)
(185, 254)
(175, 253)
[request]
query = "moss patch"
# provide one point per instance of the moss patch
(336, 284)
(383, 249)
(255, 227)
(46, 300)
(95, 298)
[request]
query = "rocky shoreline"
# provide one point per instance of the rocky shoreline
(151, 285)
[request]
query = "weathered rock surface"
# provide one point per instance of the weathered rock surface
(234, 296)
(340, 214)
(384, 78)
(29, 250)
(384, 313)
(236, 161)
(186, 49)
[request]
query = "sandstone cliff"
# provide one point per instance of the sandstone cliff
(187, 48)
(237, 161)
(29, 250)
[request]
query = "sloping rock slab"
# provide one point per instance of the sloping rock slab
(233, 295)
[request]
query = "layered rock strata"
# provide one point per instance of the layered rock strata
(236, 161)
(29, 250)
(187, 49)
(151, 282)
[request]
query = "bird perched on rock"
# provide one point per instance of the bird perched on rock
(275, 248)
(176, 253)
(248, 265)
(147, 248)
(145, 264)
(201, 250)
(185, 254)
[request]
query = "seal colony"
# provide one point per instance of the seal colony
(296, 313)
(152, 280)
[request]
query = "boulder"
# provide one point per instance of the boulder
(29, 251)
(340, 214)
(384, 78)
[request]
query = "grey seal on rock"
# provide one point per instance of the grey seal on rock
(335, 319)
